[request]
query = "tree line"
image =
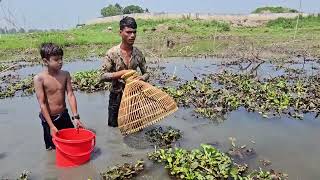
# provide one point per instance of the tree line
(22, 30)
(117, 9)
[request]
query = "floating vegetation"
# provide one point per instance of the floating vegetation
(25, 86)
(218, 94)
(206, 163)
(126, 171)
(24, 175)
(240, 153)
(163, 137)
(89, 81)
(3, 67)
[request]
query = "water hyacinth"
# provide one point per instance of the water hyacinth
(89, 81)
(207, 163)
(163, 137)
(125, 171)
(217, 94)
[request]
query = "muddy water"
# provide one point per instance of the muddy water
(291, 145)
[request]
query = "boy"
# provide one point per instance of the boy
(51, 86)
(120, 60)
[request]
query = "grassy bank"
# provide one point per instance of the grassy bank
(184, 37)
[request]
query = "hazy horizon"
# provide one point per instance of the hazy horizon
(63, 14)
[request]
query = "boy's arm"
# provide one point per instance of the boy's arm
(38, 85)
(72, 100)
(108, 70)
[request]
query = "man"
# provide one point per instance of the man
(119, 60)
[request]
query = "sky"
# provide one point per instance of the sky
(62, 14)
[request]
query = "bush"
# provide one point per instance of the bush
(111, 10)
(278, 9)
(282, 23)
(132, 9)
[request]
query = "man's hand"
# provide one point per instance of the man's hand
(139, 78)
(78, 123)
(53, 130)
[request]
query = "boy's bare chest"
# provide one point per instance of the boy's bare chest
(55, 84)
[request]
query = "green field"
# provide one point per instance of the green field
(187, 38)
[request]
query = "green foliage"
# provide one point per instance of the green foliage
(132, 9)
(10, 90)
(207, 163)
(163, 137)
(304, 22)
(89, 81)
(3, 67)
(24, 175)
(270, 97)
(274, 9)
(126, 171)
(111, 10)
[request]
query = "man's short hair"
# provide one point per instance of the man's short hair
(50, 49)
(128, 22)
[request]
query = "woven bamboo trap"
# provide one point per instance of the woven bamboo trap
(142, 105)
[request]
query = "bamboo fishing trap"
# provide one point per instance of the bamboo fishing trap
(142, 105)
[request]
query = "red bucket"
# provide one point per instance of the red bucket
(73, 146)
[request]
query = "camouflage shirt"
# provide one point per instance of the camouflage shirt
(114, 62)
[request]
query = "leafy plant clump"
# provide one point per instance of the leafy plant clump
(89, 81)
(163, 137)
(207, 163)
(3, 67)
(218, 94)
(125, 171)
(24, 175)
(25, 86)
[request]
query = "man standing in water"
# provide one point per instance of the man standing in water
(119, 60)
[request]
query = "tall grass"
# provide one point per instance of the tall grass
(312, 21)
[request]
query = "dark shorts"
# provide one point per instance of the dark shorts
(113, 109)
(61, 121)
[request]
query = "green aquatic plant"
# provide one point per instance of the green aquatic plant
(218, 94)
(207, 163)
(25, 86)
(125, 171)
(89, 81)
(163, 137)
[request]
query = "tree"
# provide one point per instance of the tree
(111, 10)
(2, 31)
(12, 31)
(21, 30)
(118, 6)
(147, 10)
(132, 9)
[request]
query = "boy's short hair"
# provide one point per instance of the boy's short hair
(50, 49)
(128, 22)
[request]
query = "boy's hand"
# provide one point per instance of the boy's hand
(78, 123)
(53, 130)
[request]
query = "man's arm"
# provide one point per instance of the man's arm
(38, 85)
(108, 70)
(72, 100)
(143, 68)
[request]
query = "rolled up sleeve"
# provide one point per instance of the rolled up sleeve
(144, 69)
(107, 68)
